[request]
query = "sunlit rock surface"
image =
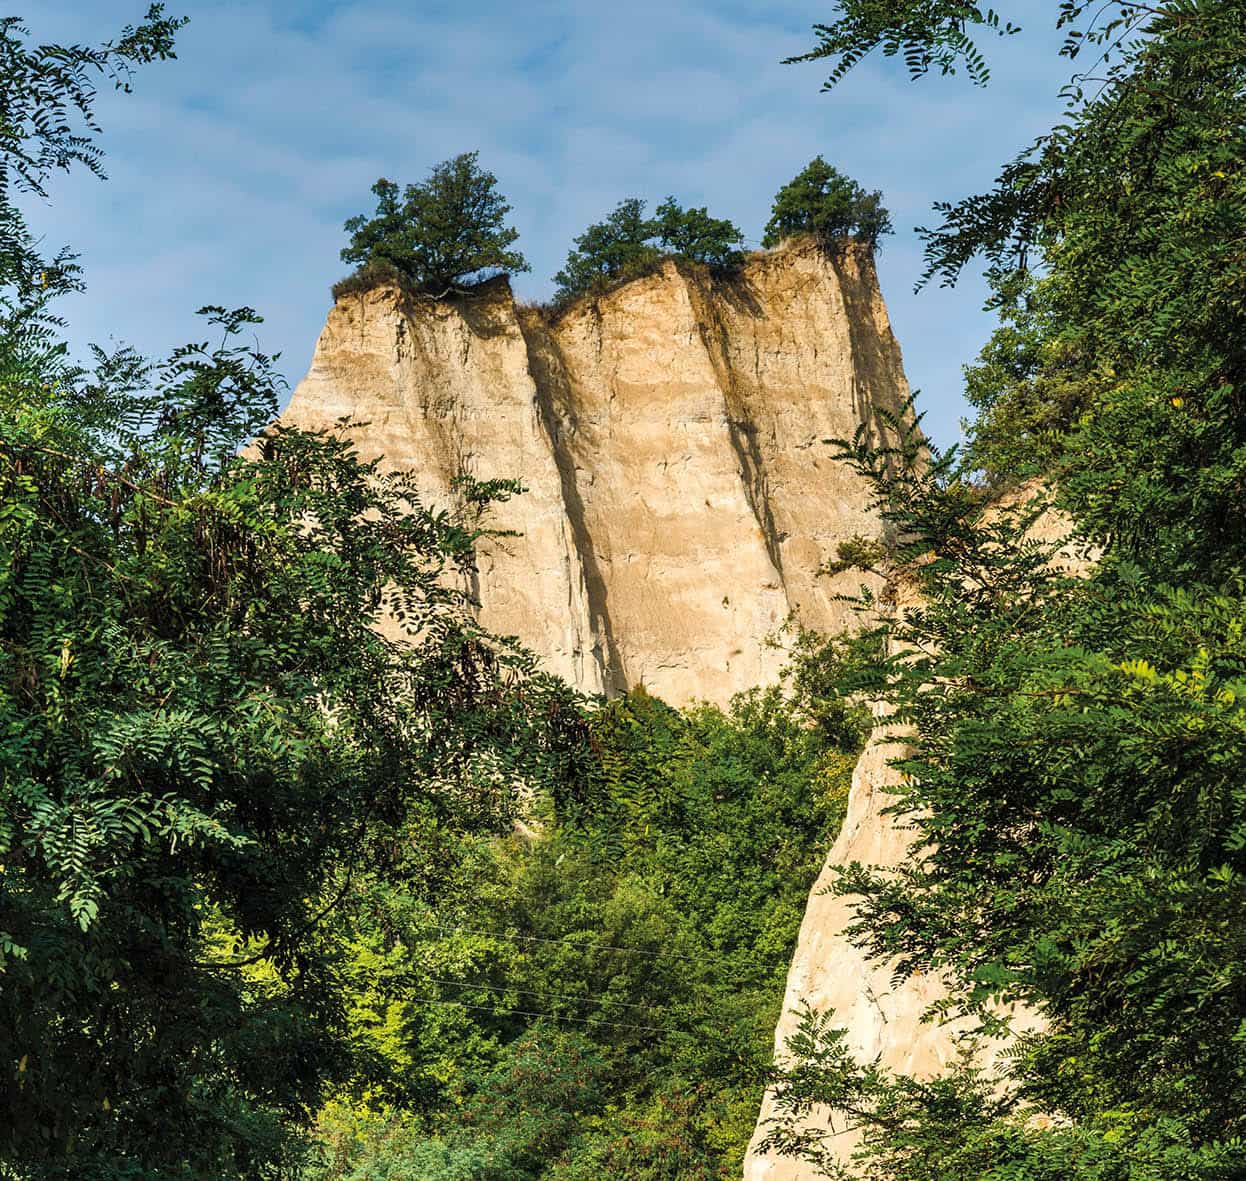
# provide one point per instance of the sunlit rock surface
(680, 498)
(882, 1018)
(680, 501)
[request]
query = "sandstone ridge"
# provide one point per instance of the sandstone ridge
(669, 434)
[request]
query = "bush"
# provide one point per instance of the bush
(821, 201)
(371, 275)
(629, 244)
(442, 234)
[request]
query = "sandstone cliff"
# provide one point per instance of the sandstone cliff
(679, 503)
(882, 1018)
(669, 434)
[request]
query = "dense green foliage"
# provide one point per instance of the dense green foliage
(199, 730)
(819, 201)
(261, 858)
(693, 235)
(263, 865)
(203, 737)
(628, 244)
(1076, 773)
(440, 235)
(617, 248)
(599, 998)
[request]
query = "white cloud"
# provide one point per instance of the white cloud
(234, 167)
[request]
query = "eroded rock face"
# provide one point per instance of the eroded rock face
(679, 503)
(680, 498)
(883, 1019)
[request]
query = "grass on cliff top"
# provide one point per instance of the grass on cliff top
(376, 274)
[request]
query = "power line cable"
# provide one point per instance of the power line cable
(432, 1000)
(561, 996)
(656, 955)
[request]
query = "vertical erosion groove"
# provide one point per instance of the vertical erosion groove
(557, 415)
(877, 367)
(419, 328)
(742, 429)
(878, 372)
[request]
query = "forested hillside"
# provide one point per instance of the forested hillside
(598, 995)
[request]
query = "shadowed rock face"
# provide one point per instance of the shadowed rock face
(670, 435)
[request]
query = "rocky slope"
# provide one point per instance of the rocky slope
(669, 434)
(883, 1018)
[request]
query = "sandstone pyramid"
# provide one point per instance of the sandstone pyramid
(679, 503)
(680, 498)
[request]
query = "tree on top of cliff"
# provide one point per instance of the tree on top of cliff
(628, 243)
(694, 235)
(821, 201)
(444, 234)
(617, 248)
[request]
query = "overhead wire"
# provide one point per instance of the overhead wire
(656, 955)
(561, 996)
(432, 1000)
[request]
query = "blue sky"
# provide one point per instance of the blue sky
(232, 169)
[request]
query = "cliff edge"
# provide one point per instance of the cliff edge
(679, 499)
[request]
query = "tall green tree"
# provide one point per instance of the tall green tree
(443, 234)
(821, 202)
(204, 735)
(1075, 782)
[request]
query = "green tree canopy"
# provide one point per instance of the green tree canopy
(599, 999)
(442, 234)
(822, 202)
(694, 235)
(204, 736)
(628, 244)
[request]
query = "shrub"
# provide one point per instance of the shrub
(372, 274)
(821, 201)
(443, 234)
